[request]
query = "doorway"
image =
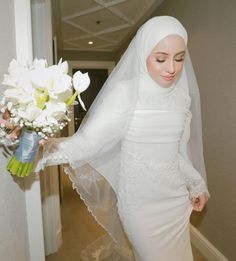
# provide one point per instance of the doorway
(98, 74)
(97, 79)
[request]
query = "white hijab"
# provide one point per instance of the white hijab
(93, 152)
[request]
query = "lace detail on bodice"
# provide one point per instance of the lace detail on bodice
(132, 155)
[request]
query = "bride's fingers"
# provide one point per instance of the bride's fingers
(15, 133)
(5, 120)
(199, 202)
(6, 123)
(6, 115)
(42, 142)
(197, 206)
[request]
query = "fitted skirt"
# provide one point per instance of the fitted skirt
(154, 207)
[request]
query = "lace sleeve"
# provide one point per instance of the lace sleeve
(99, 133)
(194, 180)
(54, 152)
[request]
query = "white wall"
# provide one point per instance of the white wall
(13, 220)
(211, 25)
(42, 48)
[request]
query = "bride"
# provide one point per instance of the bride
(137, 158)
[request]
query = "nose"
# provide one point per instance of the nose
(171, 67)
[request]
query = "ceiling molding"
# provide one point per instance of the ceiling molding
(108, 24)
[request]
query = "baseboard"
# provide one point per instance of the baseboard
(207, 249)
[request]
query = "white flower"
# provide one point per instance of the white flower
(18, 95)
(60, 68)
(16, 69)
(17, 74)
(39, 64)
(55, 110)
(63, 97)
(41, 79)
(61, 85)
(81, 82)
(25, 84)
(30, 113)
(9, 80)
(41, 120)
(63, 67)
(54, 80)
(52, 122)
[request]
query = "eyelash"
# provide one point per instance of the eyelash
(177, 60)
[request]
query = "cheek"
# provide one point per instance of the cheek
(153, 67)
(179, 68)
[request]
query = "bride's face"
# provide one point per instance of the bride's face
(166, 60)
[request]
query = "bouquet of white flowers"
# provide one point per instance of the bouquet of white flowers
(37, 100)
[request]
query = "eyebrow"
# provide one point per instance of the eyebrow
(182, 52)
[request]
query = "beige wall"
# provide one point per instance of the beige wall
(86, 56)
(211, 25)
(13, 223)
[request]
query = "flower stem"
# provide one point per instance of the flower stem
(18, 168)
(71, 99)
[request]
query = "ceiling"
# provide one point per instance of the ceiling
(105, 23)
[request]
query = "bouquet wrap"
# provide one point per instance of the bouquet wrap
(22, 162)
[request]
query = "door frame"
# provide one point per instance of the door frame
(109, 65)
(24, 54)
(43, 41)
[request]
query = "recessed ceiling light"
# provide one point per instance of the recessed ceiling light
(90, 42)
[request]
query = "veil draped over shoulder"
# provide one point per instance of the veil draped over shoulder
(92, 154)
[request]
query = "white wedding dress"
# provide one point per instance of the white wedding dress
(154, 180)
(153, 197)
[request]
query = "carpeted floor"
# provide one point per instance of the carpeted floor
(80, 228)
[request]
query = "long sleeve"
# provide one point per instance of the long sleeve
(99, 133)
(194, 180)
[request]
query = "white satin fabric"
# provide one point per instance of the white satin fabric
(153, 199)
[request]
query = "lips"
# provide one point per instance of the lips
(168, 78)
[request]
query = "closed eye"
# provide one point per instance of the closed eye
(179, 60)
(160, 61)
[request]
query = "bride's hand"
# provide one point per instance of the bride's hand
(42, 142)
(14, 131)
(199, 202)
(48, 144)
